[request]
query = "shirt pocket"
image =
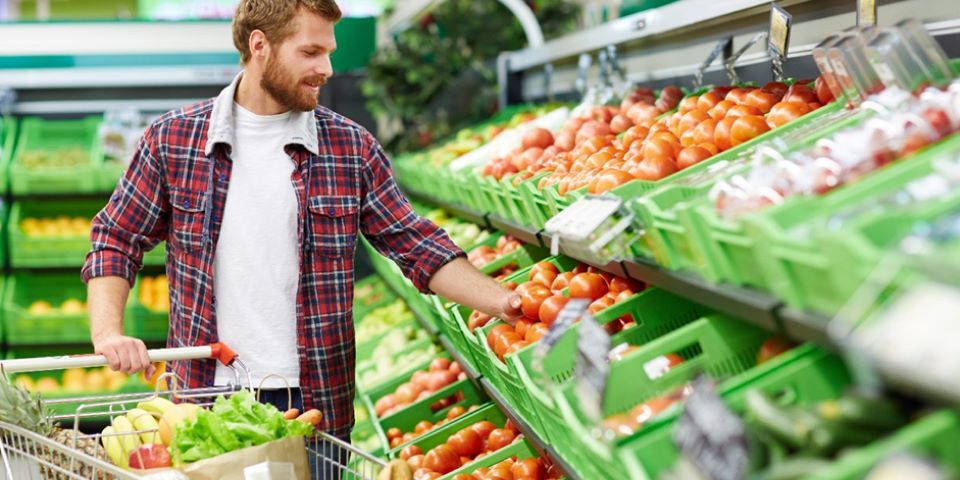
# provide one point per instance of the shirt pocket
(334, 224)
(186, 219)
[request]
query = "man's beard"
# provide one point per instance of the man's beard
(287, 90)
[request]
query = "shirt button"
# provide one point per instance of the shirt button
(223, 178)
(216, 218)
(331, 211)
(186, 204)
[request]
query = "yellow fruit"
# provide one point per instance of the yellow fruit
(156, 407)
(144, 423)
(74, 375)
(115, 383)
(73, 307)
(46, 385)
(25, 382)
(40, 308)
(96, 381)
(129, 440)
(113, 447)
(173, 417)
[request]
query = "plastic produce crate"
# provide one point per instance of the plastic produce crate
(522, 257)
(808, 377)
(44, 326)
(424, 346)
(800, 270)
(520, 449)
(420, 411)
(720, 346)
(37, 135)
(50, 250)
(144, 322)
(8, 138)
(656, 313)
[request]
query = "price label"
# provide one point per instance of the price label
(578, 221)
(571, 312)
(866, 12)
(711, 436)
(592, 367)
(778, 38)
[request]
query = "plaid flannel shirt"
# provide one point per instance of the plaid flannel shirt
(175, 190)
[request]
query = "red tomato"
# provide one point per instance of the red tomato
(619, 284)
(551, 307)
(799, 92)
(496, 332)
(407, 392)
(607, 180)
(710, 147)
(544, 277)
(620, 124)
(522, 325)
(786, 112)
(517, 346)
(543, 266)
(426, 474)
(824, 94)
(499, 438)
(762, 100)
(600, 304)
(531, 299)
(777, 89)
(536, 332)
(439, 364)
(654, 168)
(477, 319)
(442, 459)
(688, 104)
(737, 95)
(721, 134)
(422, 427)
(747, 128)
(409, 451)
(708, 100)
(720, 109)
(394, 433)
(703, 133)
(504, 342)
(561, 281)
(483, 428)
(743, 110)
(466, 443)
(415, 462)
(456, 412)
(528, 469)
(588, 285)
(773, 347)
(692, 118)
(691, 156)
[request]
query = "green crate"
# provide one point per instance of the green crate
(44, 328)
(367, 349)
(403, 372)
(656, 313)
(534, 203)
(522, 257)
(142, 322)
(8, 138)
(49, 251)
(37, 134)
(800, 270)
(520, 449)
(933, 437)
(407, 420)
(721, 346)
(808, 375)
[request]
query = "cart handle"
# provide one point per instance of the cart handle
(216, 351)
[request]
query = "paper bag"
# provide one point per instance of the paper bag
(229, 466)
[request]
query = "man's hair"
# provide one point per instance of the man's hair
(275, 19)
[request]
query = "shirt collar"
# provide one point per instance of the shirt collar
(303, 130)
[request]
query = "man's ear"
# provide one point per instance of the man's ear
(259, 46)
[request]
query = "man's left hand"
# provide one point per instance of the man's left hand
(510, 311)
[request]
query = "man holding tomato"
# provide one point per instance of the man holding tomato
(260, 195)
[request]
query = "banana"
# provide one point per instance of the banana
(111, 444)
(156, 407)
(144, 423)
(124, 429)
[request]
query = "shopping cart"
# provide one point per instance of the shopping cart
(27, 455)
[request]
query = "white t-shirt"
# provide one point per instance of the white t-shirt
(256, 266)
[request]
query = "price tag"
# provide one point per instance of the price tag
(571, 312)
(712, 437)
(724, 46)
(578, 221)
(592, 367)
(778, 39)
(866, 13)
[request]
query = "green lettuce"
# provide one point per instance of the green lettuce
(232, 424)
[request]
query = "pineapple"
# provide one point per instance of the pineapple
(23, 409)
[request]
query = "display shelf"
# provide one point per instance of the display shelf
(524, 234)
(812, 326)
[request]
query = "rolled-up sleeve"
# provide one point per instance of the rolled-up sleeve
(417, 245)
(134, 221)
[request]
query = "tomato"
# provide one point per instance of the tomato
(517, 346)
(620, 124)
(455, 367)
(464, 476)
(496, 332)
(544, 277)
(550, 308)
(588, 285)
(536, 332)
(691, 156)
(384, 404)
(777, 89)
(710, 147)
(687, 138)
(641, 112)
(456, 412)
(692, 118)
(654, 168)
(522, 325)
(407, 392)
(799, 92)
(635, 133)
(499, 438)
(721, 134)
(407, 437)
(607, 180)
(425, 474)
(747, 128)
(466, 442)
(531, 299)
(504, 342)
(600, 304)
(619, 284)
(528, 469)
(720, 109)
(658, 147)
(743, 110)
(394, 433)
(543, 266)
(396, 442)
(439, 364)
(580, 268)
(642, 413)
(762, 100)
(597, 160)
(482, 428)
(786, 112)
(668, 136)
(773, 347)
(708, 100)
(477, 319)
(592, 130)
(561, 281)
(737, 95)
(703, 133)
(415, 462)
(824, 94)
(409, 451)
(688, 104)
(442, 459)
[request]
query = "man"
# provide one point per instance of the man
(260, 195)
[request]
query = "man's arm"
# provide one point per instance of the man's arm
(132, 222)
(423, 251)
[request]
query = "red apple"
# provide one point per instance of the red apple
(151, 456)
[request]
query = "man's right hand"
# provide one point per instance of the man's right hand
(124, 354)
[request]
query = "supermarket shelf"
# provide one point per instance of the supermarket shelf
(807, 325)
(525, 235)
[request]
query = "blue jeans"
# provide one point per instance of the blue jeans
(325, 458)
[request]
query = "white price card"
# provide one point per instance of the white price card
(592, 367)
(711, 436)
